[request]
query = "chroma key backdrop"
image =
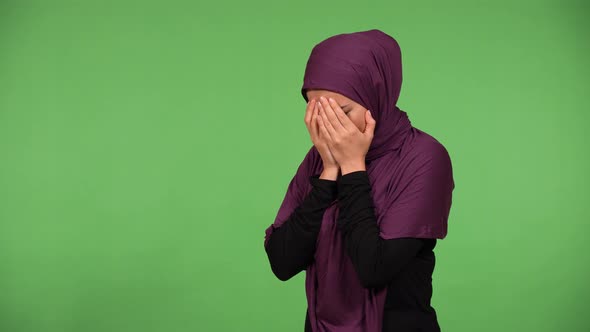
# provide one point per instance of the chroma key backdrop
(145, 146)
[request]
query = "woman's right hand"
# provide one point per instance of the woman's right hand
(311, 112)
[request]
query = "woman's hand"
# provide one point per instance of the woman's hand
(348, 144)
(318, 139)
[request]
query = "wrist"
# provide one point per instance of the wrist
(330, 173)
(353, 167)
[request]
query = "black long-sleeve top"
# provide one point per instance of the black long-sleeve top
(404, 265)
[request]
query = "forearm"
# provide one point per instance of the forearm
(376, 260)
(291, 246)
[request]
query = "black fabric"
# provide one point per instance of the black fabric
(291, 246)
(404, 265)
(376, 260)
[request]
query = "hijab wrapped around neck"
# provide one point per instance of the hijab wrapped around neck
(410, 175)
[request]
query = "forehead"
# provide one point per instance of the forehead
(316, 93)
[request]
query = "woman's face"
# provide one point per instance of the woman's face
(354, 111)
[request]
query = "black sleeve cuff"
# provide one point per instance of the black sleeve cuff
(355, 201)
(327, 189)
(349, 180)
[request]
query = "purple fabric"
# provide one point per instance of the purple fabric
(409, 170)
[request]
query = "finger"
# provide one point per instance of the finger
(326, 122)
(331, 115)
(324, 132)
(370, 124)
(308, 111)
(314, 122)
(344, 119)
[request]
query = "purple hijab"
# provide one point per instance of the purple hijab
(409, 170)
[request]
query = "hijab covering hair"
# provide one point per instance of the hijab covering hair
(410, 174)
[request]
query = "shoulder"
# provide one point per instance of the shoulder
(426, 150)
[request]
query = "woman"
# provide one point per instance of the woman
(370, 199)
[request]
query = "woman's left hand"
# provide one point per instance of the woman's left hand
(348, 144)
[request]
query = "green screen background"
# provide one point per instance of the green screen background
(145, 147)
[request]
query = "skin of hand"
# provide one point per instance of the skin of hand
(348, 144)
(331, 167)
